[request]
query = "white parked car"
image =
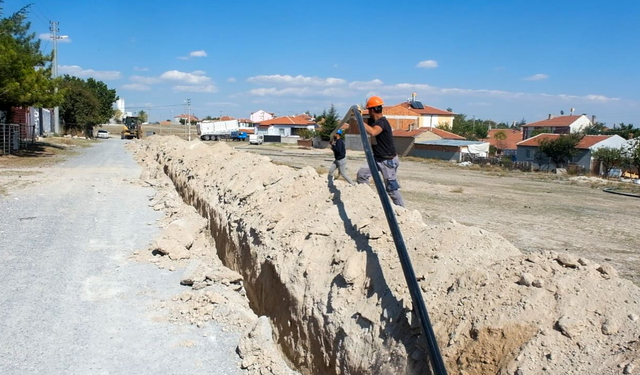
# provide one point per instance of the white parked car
(103, 134)
(255, 139)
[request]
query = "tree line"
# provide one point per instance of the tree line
(26, 79)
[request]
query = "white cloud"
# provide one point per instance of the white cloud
(46, 36)
(301, 92)
(136, 87)
(427, 64)
(199, 53)
(192, 88)
(140, 69)
(298, 80)
(77, 71)
(231, 79)
(145, 80)
(221, 104)
(536, 77)
(366, 85)
(193, 78)
(601, 98)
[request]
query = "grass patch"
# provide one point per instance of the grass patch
(52, 150)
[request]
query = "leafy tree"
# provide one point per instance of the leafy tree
(502, 125)
(106, 97)
(306, 133)
(560, 149)
(80, 108)
(183, 121)
(117, 115)
(609, 157)
(595, 128)
(541, 159)
(86, 103)
(143, 116)
(329, 121)
(25, 73)
(633, 155)
(500, 138)
(522, 123)
(209, 118)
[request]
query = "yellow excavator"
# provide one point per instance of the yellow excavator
(131, 128)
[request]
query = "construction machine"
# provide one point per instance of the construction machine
(131, 128)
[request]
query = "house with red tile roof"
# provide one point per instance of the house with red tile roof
(528, 149)
(404, 140)
(286, 126)
(176, 119)
(557, 125)
(506, 142)
(429, 117)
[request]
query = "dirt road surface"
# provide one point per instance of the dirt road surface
(71, 300)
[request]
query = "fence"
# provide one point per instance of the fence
(14, 137)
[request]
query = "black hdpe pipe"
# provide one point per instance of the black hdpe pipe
(437, 364)
(614, 191)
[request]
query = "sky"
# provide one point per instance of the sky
(499, 60)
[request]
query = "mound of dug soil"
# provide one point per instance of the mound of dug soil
(320, 263)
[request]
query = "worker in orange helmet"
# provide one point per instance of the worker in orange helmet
(384, 150)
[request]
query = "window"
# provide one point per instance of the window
(281, 132)
(529, 154)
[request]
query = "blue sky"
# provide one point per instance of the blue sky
(502, 60)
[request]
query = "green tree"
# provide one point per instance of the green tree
(143, 116)
(329, 121)
(609, 157)
(500, 137)
(634, 155)
(25, 73)
(595, 128)
(80, 108)
(561, 149)
(106, 97)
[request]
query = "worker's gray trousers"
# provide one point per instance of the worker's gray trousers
(341, 166)
(389, 170)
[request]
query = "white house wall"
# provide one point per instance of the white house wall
(581, 123)
(260, 116)
(614, 141)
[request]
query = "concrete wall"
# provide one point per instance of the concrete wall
(450, 153)
(526, 153)
(353, 142)
(403, 145)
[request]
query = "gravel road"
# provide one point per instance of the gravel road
(71, 301)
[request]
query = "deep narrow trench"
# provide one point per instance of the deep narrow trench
(267, 295)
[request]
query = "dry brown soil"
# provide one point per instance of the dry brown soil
(534, 211)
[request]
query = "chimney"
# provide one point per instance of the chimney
(550, 116)
(572, 109)
(593, 119)
(413, 97)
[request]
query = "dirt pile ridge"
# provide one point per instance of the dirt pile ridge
(320, 263)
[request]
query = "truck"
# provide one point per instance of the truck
(131, 128)
(238, 136)
(217, 130)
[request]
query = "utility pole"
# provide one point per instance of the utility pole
(189, 116)
(53, 26)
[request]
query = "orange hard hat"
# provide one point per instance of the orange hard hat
(374, 101)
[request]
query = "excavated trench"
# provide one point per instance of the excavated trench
(269, 296)
(319, 262)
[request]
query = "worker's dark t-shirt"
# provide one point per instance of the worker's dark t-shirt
(384, 149)
(339, 151)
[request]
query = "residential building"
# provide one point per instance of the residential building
(176, 119)
(429, 117)
(404, 140)
(507, 142)
(528, 150)
(259, 116)
(399, 117)
(286, 126)
(449, 149)
(557, 125)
